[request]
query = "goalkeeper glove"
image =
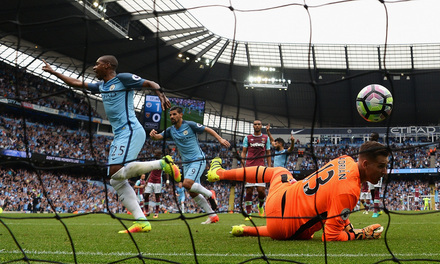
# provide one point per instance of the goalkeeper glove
(373, 231)
(370, 232)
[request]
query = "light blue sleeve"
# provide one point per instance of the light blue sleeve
(168, 132)
(131, 81)
(196, 127)
(94, 87)
(268, 144)
(245, 142)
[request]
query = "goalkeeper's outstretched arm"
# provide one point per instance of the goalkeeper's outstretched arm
(373, 231)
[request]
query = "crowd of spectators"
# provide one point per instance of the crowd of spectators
(50, 139)
(53, 139)
(57, 140)
(401, 195)
(20, 189)
(19, 85)
(406, 156)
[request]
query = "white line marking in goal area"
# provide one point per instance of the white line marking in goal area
(215, 254)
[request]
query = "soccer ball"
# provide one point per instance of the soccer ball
(374, 103)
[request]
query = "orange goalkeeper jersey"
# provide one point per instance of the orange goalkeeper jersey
(331, 192)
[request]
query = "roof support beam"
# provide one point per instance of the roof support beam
(195, 44)
(210, 46)
(185, 38)
(248, 57)
(234, 53)
(177, 31)
(349, 85)
(220, 53)
(157, 14)
(317, 94)
(378, 58)
(286, 94)
(227, 84)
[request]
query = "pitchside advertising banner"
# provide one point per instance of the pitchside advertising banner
(37, 157)
(53, 111)
(409, 130)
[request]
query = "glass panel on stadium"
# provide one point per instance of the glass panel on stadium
(330, 57)
(426, 56)
(363, 57)
(396, 57)
(296, 56)
(264, 54)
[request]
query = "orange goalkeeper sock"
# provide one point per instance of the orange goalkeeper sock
(255, 174)
(252, 231)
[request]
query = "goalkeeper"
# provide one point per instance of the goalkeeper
(296, 210)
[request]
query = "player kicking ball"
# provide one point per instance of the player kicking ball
(136, 168)
(324, 197)
(117, 92)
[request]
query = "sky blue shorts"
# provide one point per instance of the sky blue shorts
(194, 170)
(126, 146)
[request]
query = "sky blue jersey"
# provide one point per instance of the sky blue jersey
(280, 158)
(181, 192)
(117, 97)
(186, 139)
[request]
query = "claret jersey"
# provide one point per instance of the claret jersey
(256, 147)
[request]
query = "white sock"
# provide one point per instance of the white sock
(201, 201)
(136, 168)
(127, 196)
(198, 188)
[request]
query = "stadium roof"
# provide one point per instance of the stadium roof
(163, 41)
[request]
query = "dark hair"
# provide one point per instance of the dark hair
(110, 59)
(374, 136)
(176, 108)
(280, 140)
(371, 149)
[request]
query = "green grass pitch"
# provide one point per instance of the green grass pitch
(96, 240)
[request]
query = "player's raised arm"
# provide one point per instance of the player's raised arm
(292, 144)
(221, 140)
(156, 88)
(272, 141)
(68, 80)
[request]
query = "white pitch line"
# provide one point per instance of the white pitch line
(216, 254)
